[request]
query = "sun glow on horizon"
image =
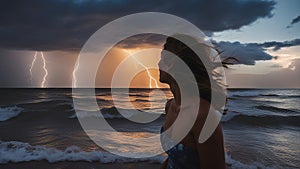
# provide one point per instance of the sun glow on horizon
(285, 56)
(151, 78)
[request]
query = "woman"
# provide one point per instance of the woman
(189, 153)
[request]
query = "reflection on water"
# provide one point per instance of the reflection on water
(151, 100)
(130, 143)
(265, 129)
(43, 95)
(47, 136)
(284, 152)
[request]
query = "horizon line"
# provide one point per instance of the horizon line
(230, 88)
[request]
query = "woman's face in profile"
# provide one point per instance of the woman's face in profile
(165, 64)
(161, 64)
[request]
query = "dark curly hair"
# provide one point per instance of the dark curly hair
(208, 79)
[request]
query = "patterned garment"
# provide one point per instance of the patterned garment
(180, 157)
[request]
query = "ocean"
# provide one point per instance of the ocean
(261, 128)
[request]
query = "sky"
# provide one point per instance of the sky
(264, 35)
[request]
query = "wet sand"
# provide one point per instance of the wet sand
(79, 165)
(82, 165)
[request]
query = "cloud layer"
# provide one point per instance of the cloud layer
(245, 53)
(282, 78)
(250, 52)
(294, 21)
(66, 25)
(278, 45)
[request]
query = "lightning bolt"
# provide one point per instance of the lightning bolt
(74, 74)
(44, 67)
(46, 71)
(151, 78)
(31, 66)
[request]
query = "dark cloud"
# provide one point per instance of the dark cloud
(67, 24)
(294, 21)
(250, 52)
(245, 53)
(142, 40)
(278, 45)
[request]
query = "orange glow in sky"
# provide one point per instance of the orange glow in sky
(153, 82)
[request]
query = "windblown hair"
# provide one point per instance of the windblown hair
(208, 79)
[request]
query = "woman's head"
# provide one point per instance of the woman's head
(203, 70)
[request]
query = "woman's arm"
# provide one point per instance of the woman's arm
(168, 104)
(211, 152)
(164, 165)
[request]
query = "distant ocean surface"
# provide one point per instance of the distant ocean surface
(261, 128)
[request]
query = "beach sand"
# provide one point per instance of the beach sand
(82, 165)
(79, 165)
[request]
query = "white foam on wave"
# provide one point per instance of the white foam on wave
(14, 151)
(234, 164)
(7, 113)
(231, 114)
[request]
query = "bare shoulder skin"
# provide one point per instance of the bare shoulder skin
(211, 152)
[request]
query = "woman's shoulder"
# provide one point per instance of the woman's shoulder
(203, 110)
(169, 101)
(168, 104)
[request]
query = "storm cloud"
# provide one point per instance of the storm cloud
(248, 53)
(294, 21)
(66, 25)
(245, 53)
(143, 40)
(278, 45)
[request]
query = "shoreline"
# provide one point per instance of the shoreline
(79, 165)
(82, 165)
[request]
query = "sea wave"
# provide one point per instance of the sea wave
(14, 151)
(251, 95)
(294, 96)
(7, 113)
(138, 95)
(271, 95)
(49, 102)
(113, 113)
(292, 120)
(234, 164)
(230, 115)
(69, 104)
(275, 109)
(254, 95)
(142, 100)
